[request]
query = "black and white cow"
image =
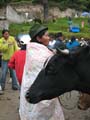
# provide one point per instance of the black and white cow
(62, 74)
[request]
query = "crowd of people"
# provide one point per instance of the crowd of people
(25, 62)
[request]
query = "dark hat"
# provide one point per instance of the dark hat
(36, 29)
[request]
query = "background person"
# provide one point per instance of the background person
(51, 41)
(88, 22)
(59, 41)
(17, 61)
(69, 21)
(8, 46)
(0, 58)
(73, 43)
(82, 24)
(36, 54)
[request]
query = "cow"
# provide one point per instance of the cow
(62, 74)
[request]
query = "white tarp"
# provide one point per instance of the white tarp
(44, 110)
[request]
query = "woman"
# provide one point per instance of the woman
(36, 54)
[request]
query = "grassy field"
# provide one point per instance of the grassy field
(60, 25)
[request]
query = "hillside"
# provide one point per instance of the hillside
(81, 5)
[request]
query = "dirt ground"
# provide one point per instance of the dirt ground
(9, 105)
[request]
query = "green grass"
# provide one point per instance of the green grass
(60, 25)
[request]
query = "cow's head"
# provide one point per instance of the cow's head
(57, 78)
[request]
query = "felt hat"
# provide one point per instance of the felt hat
(36, 29)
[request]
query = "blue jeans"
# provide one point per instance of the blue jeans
(4, 67)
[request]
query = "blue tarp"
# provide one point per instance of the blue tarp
(74, 28)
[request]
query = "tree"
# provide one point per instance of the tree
(4, 2)
(45, 8)
(44, 3)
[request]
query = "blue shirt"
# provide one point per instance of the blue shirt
(71, 45)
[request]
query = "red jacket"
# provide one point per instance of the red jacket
(17, 62)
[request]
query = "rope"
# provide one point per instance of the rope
(62, 102)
